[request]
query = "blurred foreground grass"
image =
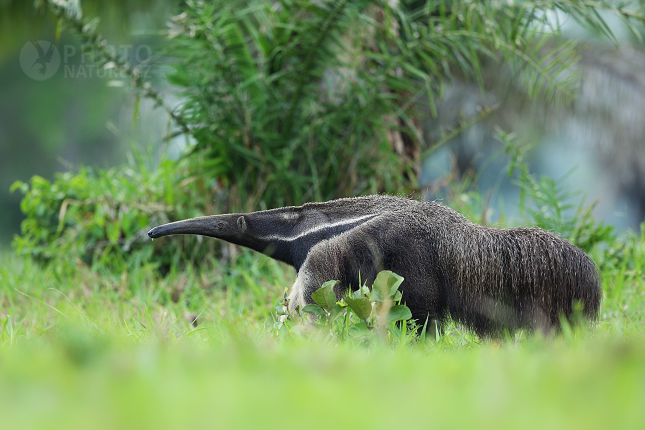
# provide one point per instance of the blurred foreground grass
(98, 350)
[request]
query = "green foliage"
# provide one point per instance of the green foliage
(284, 101)
(622, 265)
(293, 101)
(362, 314)
(297, 101)
(102, 217)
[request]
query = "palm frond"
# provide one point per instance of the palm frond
(300, 99)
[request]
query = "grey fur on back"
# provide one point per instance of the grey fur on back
(487, 278)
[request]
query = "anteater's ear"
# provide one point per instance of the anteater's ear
(241, 223)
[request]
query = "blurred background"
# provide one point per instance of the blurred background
(81, 115)
(87, 115)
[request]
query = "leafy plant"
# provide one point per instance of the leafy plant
(296, 101)
(102, 217)
(361, 313)
(278, 97)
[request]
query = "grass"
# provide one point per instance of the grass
(94, 349)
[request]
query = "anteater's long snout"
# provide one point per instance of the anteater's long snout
(208, 226)
(167, 230)
(156, 232)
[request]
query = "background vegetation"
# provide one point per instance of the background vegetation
(284, 102)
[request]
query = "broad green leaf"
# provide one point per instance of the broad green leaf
(358, 330)
(398, 313)
(362, 306)
(336, 311)
(397, 296)
(315, 310)
(364, 291)
(386, 284)
(325, 296)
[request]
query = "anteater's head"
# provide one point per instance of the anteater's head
(227, 227)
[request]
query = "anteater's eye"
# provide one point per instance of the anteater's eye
(220, 225)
